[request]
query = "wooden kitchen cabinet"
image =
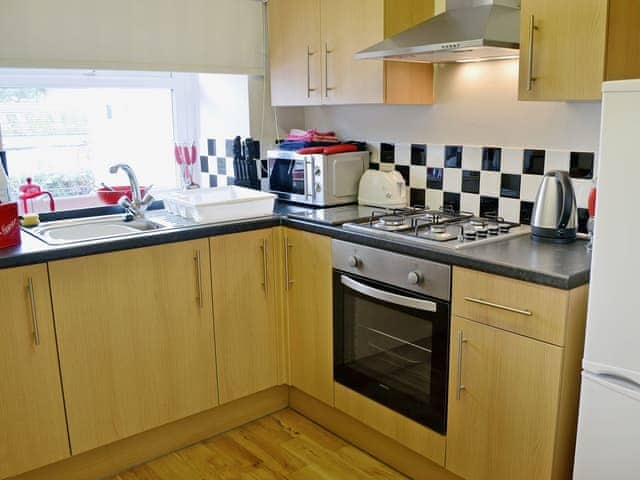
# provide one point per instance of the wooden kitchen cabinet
(309, 305)
(33, 430)
(567, 49)
(313, 45)
(244, 305)
(513, 398)
(347, 80)
(502, 424)
(136, 340)
(294, 52)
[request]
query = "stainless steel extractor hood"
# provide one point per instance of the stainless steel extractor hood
(469, 30)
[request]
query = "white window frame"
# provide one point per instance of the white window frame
(184, 87)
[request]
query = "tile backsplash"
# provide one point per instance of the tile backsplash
(484, 180)
(217, 165)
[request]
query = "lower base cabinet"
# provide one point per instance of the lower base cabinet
(245, 317)
(503, 404)
(33, 431)
(136, 341)
(309, 303)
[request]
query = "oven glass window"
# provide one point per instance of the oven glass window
(287, 176)
(393, 354)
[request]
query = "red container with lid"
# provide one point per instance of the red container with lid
(9, 225)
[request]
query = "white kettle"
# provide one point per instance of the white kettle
(383, 189)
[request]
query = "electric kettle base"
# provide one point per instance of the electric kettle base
(553, 235)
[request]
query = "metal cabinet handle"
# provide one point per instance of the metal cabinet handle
(263, 247)
(530, 77)
(459, 385)
(327, 89)
(199, 296)
(34, 311)
(498, 306)
(309, 55)
(287, 281)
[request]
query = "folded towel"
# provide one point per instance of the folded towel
(291, 145)
(311, 135)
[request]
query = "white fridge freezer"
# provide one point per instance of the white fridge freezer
(608, 443)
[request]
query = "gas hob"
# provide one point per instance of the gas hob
(441, 227)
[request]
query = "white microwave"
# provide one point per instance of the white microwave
(316, 179)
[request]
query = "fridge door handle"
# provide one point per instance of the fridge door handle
(623, 374)
(617, 384)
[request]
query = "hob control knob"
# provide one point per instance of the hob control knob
(354, 261)
(415, 278)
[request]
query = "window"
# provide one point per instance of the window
(64, 129)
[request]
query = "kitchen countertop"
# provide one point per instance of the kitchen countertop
(521, 258)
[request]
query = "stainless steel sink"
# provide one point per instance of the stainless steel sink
(63, 232)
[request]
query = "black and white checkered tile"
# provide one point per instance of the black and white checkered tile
(484, 180)
(217, 165)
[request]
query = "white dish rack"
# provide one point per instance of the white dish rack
(220, 204)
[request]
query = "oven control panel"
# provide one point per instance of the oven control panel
(414, 274)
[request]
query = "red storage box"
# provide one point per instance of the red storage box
(9, 225)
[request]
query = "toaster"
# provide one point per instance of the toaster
(383, 189)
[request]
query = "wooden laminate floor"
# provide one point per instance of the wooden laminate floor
(284, 445)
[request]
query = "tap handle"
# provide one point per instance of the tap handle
(147, 201)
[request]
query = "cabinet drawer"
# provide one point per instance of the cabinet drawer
(403, 430)
(520, 307)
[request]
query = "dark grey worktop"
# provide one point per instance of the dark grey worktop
(560, 266)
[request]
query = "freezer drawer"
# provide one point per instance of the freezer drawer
(608, 430)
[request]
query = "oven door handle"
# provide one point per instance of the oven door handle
(416, 303)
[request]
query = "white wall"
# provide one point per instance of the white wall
(263, 115)
(476, 104)
(224, 107)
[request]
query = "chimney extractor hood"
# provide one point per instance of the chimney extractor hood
(469, 30)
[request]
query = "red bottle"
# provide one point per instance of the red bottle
(31, 190)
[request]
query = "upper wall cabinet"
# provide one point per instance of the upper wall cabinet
(313, 45)
(566, 50)
(213, 36)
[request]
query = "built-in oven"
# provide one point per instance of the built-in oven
(316, 179)
(391, 330)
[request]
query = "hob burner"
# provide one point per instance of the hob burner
(392, 221)
(443, 227)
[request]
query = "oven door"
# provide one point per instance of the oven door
(392, 346)
(290, 177)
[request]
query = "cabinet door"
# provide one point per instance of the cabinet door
(566, 58)
(349, 26)
(244, 313)
(295, 52)
(135, 334)
(310, 312)
(623, 40)
(33, 431)
(502, 424)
